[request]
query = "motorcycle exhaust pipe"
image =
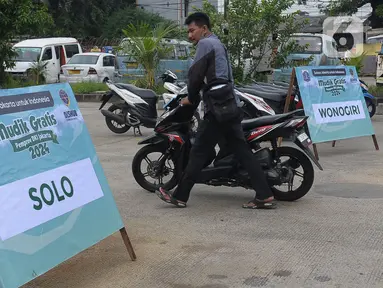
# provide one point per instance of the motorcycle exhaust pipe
(119, 119)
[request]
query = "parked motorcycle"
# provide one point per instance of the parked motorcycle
(253, 106)
(174, 88)
(369, 98)
(173, 142)
(274, 95)
(134, 107)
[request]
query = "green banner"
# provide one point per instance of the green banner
(33, 139)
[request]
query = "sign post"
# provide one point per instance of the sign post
(333, 100)
(55, 200)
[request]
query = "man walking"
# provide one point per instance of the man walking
(211, 62)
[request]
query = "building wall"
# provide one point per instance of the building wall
(173, 9)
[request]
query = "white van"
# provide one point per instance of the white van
(56, 51)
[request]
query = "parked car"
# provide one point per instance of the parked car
(320, 46)
(53, 51)
(90, 67)
(178, 60)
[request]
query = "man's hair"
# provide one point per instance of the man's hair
(199, 18)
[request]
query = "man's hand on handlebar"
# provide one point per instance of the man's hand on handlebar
(185, 101)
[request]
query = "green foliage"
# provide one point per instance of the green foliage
(38, 72)
(88, 87)
(10, 83)
(18, 17)
(349, 7)
(379, 10)
(84, 17)
(145, 47)
(251, 25)
(355, 61)
(376, 91)
(130, 15)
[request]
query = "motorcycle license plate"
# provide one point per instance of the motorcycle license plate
(304, 139)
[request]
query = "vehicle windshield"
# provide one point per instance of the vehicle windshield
(84, 59)
(27, 54)
(375, 40)
(313, 44)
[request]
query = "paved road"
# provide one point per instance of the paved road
(330, 238)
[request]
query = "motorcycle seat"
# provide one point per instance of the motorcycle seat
(143, 93)
(273, 96)
(269, 120)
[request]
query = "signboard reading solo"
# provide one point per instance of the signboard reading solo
(54, 197)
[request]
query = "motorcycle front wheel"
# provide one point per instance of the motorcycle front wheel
(370, 107)
(148, 178)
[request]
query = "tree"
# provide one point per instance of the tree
(145, 47)
(254, 30)
(38, 71)
(84, 17)
(349, 7)
(130, 15)
(19, 17)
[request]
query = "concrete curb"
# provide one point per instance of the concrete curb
(96, 97)
(93, 97)
(379, 109)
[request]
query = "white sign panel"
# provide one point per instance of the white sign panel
(338, 111)
(32, 201)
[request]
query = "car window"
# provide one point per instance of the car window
(57, 50)
(84, 59)
(312, 44)
(181, 51)
(27, 54)
(108, 61)
(47, 55)
(71, 50)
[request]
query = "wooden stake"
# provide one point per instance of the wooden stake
(315, 151)
(287, 101)
(128, 244)
(375, 142)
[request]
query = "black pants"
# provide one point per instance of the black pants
(207, 137)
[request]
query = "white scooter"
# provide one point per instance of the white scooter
(253, 106)
(134, 107)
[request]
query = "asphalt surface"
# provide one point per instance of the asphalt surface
(330, 238)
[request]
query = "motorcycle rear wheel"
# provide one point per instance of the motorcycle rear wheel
(138, 175)
(308, 175)
(113, 125)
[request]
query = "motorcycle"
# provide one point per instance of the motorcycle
(134, 107)
(253, 106)
(274, 95)
(370, 99)
(174, 87)
(172, 140)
